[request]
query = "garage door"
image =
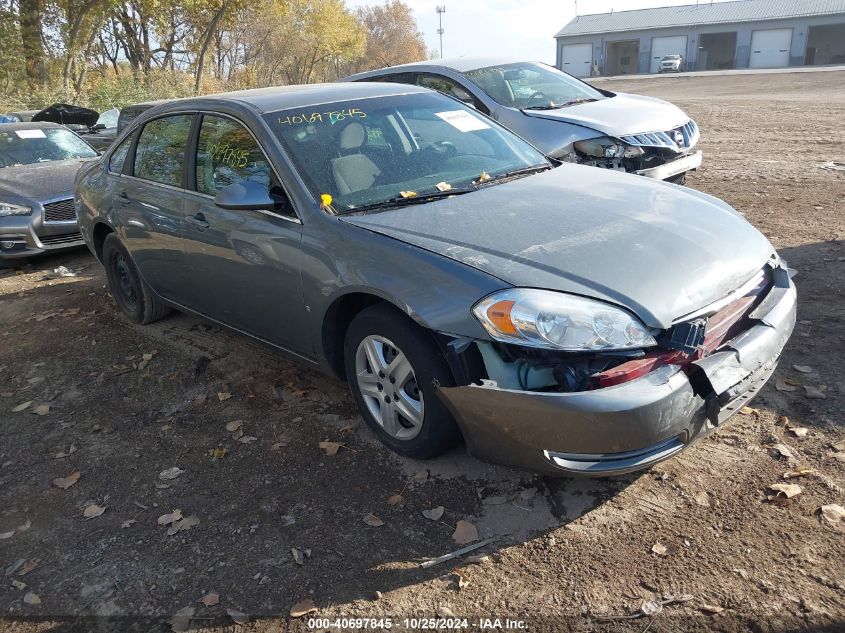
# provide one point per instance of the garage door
(770, 48)
(662, 46)
(577, 59)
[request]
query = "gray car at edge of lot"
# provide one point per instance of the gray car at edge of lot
(563, 116)
(566, 320)
(38, 163)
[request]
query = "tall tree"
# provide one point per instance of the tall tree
(392, 36)
(31, 13)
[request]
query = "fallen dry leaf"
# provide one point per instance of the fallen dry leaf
(6, 535)
(181, 620)
(833, 513)
(223, 395)
(28, 566)
(247, 439)
(127, 523)
(782, 385)
(92, 511)
(210, 599)
(799, 472)
(465, 532)
(170, 473)
(813, 393)
(17, 584)
(23, 406)
(444, 612)
(710, 609)
(62, 454)
(331, 448)
(434, 513)
(297, 556)
(663, 550)
(303, 608)
(785, 490)
(237, 617)
(651, 607)
(782, 450)
(234, 425)
(173, 517)
(373, 520)
(748, 410)
(463, 579)
(31, 599)
(183, 524)
(804, 369)
(395, 500)
(41, 409)
(799, 431)
(66, 482)
(477, 559)
(218, 453)
(346, 430)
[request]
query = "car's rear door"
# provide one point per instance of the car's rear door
(148, 200)
(244, 265)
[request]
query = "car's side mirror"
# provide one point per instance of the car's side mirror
(246, 195)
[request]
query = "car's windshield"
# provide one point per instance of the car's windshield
(671, 58)
(531, 85)
(38, 145)
(369, 151)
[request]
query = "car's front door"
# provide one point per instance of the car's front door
(244, 265)
(148, 201)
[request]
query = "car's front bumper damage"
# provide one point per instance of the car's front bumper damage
(633, 425)
(27, 235)
(672, 168)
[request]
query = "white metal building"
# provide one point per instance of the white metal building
(709, 36)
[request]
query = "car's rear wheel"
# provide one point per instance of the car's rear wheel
(392, 366)
(131, 293)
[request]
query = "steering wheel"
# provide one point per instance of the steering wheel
(537, 96)
(444, 149)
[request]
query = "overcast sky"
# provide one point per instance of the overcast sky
(512, 28)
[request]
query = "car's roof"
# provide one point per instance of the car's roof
(303, 96)
(42, 125)
(460, 64)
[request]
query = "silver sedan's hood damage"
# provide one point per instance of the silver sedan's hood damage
(660, 250)
(40, 181)
(621, 115)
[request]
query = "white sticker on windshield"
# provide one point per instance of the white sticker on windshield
(30, 133)
(463, 120)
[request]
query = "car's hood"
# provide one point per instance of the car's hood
(40, 181)
(620, 115)
(660, 250)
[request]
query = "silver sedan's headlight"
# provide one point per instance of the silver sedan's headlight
(606, 147)
(13, 209)
(542, 318)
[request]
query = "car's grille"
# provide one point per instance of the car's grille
(64, 238)
(61, 211)
(678, 139)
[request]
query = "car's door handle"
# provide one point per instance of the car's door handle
(199, 221)
(124, 198)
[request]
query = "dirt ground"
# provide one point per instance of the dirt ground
(568, 555)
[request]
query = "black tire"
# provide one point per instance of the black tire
(131, 293)
(679, 179)
(438, 432)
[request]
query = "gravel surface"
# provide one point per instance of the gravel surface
(693, 536)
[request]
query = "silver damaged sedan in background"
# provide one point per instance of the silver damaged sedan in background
(564, 117)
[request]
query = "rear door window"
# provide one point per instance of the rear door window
(160, 153)
(118, 156)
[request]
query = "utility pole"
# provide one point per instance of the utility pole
(440, 11)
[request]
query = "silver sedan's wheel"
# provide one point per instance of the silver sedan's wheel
(389, 387)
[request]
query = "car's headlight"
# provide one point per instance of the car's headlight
(13, 209)
(542, 318)
(606, 147)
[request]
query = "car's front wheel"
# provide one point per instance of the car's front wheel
(392, 366)
(131, 293)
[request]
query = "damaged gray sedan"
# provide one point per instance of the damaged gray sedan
(562, 319)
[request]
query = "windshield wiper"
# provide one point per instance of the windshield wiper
(522, 171)
(565, 104)
(404, 201)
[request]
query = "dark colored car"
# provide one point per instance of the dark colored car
(38, 162)
(561, 319)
